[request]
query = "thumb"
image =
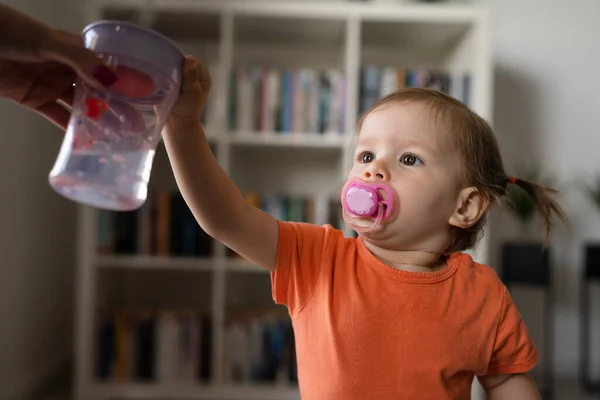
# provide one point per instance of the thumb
(67, 48)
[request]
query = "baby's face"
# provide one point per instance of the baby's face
(404, 146)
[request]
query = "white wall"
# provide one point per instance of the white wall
(37, 232)
(547, 81)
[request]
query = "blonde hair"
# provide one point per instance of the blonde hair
(483, 164)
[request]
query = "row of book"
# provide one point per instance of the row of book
(377, 82)
(150, 346)
(314, 101)
(260, 349)
(285, 101)
(318, 210)
(165, 226)
(177, 346)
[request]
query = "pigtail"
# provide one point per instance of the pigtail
(546, 205)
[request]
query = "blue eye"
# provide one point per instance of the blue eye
(410, 160)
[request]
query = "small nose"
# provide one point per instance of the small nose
(376, 172)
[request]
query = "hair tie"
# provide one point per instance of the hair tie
(512, 179)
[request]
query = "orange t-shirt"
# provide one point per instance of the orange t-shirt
(365, 330)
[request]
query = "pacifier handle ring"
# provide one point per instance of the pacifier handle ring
(387, 202)
(378, 219)
(380, 212)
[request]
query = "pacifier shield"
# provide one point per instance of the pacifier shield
(364, 199)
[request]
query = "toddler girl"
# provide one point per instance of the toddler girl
(399, 312)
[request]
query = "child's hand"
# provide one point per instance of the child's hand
(194, 90)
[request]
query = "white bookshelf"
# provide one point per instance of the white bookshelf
(282, 34)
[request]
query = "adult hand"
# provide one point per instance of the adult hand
(39, 65)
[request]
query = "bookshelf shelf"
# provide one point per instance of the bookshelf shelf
(169, 263)
(289, 80)
(289, 30)
(429, 40)
(309, 9)
(243, 266)
(249, 294)
(156, 262)
(296, 140)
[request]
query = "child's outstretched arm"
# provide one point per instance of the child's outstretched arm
(211, 195)
(510, 387)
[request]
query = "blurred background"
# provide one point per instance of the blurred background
(83, 295)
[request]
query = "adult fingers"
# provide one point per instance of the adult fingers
(68, 48)
(67, 97)
(55, 113)
(41, 87)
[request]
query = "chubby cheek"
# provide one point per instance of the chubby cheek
(420, 195)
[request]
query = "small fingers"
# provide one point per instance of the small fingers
(204, 78)
(192, 96)
(195, 71)
(190, 70)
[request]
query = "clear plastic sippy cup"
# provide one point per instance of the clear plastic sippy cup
(108, 150)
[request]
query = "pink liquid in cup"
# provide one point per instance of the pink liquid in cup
(132, 83)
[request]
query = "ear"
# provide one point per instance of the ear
(470, 206)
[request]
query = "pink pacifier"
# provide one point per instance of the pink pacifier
(365, 200)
